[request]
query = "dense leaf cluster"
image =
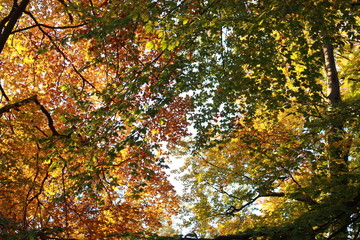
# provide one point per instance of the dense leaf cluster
(95, 94)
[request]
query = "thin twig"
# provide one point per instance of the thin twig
(59, 50)
(48, 26)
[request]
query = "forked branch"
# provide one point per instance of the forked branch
(10, 21)
(33, 99)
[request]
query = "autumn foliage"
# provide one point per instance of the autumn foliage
(96, 94)
(83, 116)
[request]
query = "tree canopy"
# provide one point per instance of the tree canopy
(95, 94)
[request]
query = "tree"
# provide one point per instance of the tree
(85, 108)
(274, 122)
(92, 89)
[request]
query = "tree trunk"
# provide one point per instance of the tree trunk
(337, 153)
(338, 156)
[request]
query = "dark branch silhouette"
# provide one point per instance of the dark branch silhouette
(10, 21)
(33, 99)
(48, 26)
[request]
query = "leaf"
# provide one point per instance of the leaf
(150, 45)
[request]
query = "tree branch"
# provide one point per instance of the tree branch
(48, 26)
(233, 209)
(59, 50)
(307, 199)
(3, 93)
(65, 5)
(48, 116)
(41, 189)
(14, 16)
(34, 99)
(8, 107)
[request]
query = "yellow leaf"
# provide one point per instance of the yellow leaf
(150, 45)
